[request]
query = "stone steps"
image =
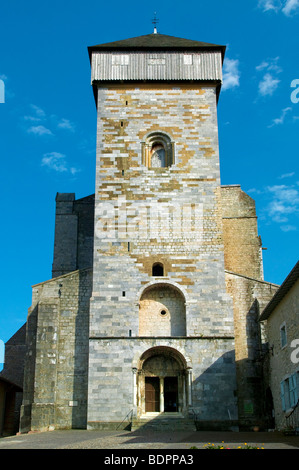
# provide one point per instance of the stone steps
(163, 423)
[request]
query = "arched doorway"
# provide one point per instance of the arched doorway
(162, 382)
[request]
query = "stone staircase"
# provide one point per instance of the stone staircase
(163, 422)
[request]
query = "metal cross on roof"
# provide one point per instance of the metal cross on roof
(154, 22)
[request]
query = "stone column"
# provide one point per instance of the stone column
(184, 400)
(189, 379)
(134, 370)
(161, 394)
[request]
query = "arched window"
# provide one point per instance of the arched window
(158, 269)
(157, 150)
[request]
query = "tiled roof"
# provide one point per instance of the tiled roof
(156, 41)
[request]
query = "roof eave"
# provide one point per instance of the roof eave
(95, 84)
(125, 46)
(92, 49)
(282, 291)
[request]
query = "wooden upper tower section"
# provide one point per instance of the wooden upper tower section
(156, 57)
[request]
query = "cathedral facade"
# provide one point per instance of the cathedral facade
(151, 316)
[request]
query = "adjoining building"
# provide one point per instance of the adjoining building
(281, 317)
(11, 383)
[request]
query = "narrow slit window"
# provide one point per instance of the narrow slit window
(283, 335)
(158, 269)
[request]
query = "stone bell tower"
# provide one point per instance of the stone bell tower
(161, 346)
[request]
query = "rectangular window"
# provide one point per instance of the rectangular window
(289, 392)
(120, 59)
(293, 390)
(156, 61)
(285, 395)
(283, 335)
(188, 59)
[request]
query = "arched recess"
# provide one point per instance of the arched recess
(162, 311)
(162, 382)
(165, 351)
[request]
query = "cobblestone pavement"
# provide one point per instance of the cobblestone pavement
(82, 439)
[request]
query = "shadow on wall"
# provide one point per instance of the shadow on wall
(216, 390)
(219, 400)
(80, 377)
(214, 403)
(253, 408)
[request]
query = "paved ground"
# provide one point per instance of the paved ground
(82, 439)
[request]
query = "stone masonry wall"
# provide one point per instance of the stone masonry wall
(112, 377)
(74, 233)
(15, 351)
(55, 387)
(250, 297)
(281, 365)
(242, 245)
(141, 217)
(74, 230)
(194, 253)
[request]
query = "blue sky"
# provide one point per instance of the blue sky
(48, 119)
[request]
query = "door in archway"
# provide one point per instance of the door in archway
(152, 394)
(170, 394)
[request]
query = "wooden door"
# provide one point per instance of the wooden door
(152, 394)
